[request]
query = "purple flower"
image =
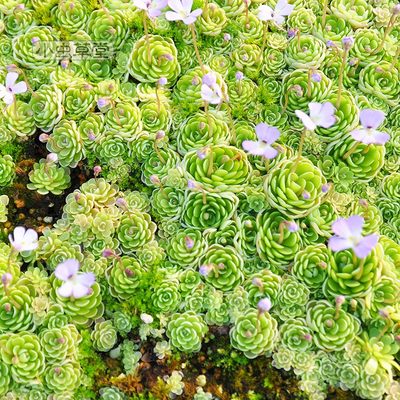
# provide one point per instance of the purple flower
(282, 9)
(316, 77)
(227, 37)
(370, 120)
(11, 88)
(205, 269)
(264, 305)
(6, 278)
(152, 7)
(348, 235)
(321, 114)
(267, 135)
(211, 91)
(182, 11)
(348, 42)
(239, 76)
(75, 285)
(102, 102)
(189, 242)
(292, 226)
(23, 239)
(162, 81)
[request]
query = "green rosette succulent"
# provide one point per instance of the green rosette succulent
(91, 129)
(24, 356)
(154, 58)
(159, 163)
(333, 328)
(353, 277)
(294, 92)
(63, 378)
(364, 161)
(381, 80)
(302, 19)
(358, 16)
(335, 28)
(71, 16)
(122, 322)
(48, 177)
(111, 393)
(65, 141)
(373, 386)
(97, 70)
(391, 186)
(167, 203)
(253, 31)
(135, 230)
(156, 116)
(112, 150)
(46, 104)
(212, 21)
(35, 47)
(189, 279)
(232, 8)
(56, 343)
(5, 378)
(307, 52)
(229, 168)
(7, 170)
(15, 308)
(366, 47)
(274, 64)
(82, 311)
(124, 120)
(186, 331)
(224, 236)
(104, 336)
(201, 130)
(123, 277)
(4, 201)
(310, 265)
(100, 192)
(262, 284)
(346, 114)
(109, 27)
(186, 247)
(224, 267)
(166, 297)
(246, 57)
(275, 243)
(78, 99)
(254, 333)
(19, 22)
(208, 210)
(294, 187)
(19, 120)
(292, 293)
(296, 335)
(187, 89)
(370, 213)
(218, 316)
(321, 218)
(246, 238)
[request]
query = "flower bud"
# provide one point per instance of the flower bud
(339, 300)
(146, 318)
(108, 253)
(43, 137)
(96, 170)
(227, 37)
(306, 195)
(155, 180)
(264, 305)
(6, 278)
(205, 269)
(52, 158)
(347, 42)
(35, 40)
(162, 81)
(102, 102)
(160, 135)
(189, 242)
(239, 76)
(64, 64)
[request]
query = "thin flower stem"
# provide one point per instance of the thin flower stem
(196, 49)
(210, 125)
(264, 42)
(324, 12)
(309, 82)
(388, 29)
(340, 79)
(351, 151)
(395, 59)
(159, 155)
(301, 144)
(158, 100)
(210, 162)
(146, 33)
(231, 123)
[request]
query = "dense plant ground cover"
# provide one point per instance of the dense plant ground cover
(199, 199)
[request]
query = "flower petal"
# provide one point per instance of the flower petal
(79, 291)
(253, 147)
(65, 290)
(187, 5)
(355, 224)
(87, 279)
(172, 16)
(364, 247)
(283, 8)
(327, 115)
(306, 120)
(341, 228)
(67, 269)
(337, 243)
(269, 152)
(371, 119)
(381, 137)
(11, 78)
(264, 13)
(268, 134)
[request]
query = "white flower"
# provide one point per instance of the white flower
(321, 114)
(8, 92)
(152, 7)
(370, 120)
(23, 239)
(210, 91)
(146, 318)
(282, 9)
(74, 285)
(182, 11)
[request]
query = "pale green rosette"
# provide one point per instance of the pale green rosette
(155, 115)
(91, 129)
(159, 163)
(275, 243)
(333, 328)
(19, 22)
(242, 95)
(201, 130)
(366, 44)
(7, 170)
(212, 20)
(391, 186)
(294, 188)
(66, 142)
(104, 336)
(308, 52)
(167, 203)
(335, 29)
(35, 48)
(358, 13)
(186, 331)
(48, 177)
(253, 31)
(225, 265)
(232, 8)
(353, 277)
(254, 333)
(153, 59)
(78, 99)
(166, 297)
(186, 247)
(19, 120)
(71, 16)
(63, 378)
(230, 168)
(371, 214)
(46, 104)
(110, 27)
(208, 210)
(294, 334)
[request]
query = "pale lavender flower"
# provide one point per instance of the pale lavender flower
(146, 318)
(75, 285)
(370, 120)
(278, 14)
(102, 102)
(348, 235)
(211, 92)
(6, 279)
(321, 114)
(227, 37)
(153, 8)
(11, 88)
(162, 81)
(264, 305)
(189, 242)
(205, 269)
(24, 239)
(96, 170)
(182, 11)
(52, 158)
(348, 42)
(267, 135)
(239, 76)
